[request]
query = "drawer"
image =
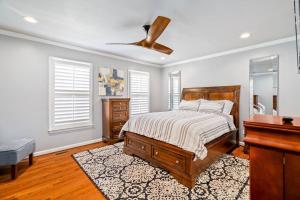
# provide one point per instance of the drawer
(169, 158)
(139, 146)
(120, 116)
(115, 135)
(115, 132)
(119, 105)
(117, 126)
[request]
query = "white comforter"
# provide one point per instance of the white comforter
(189, 130)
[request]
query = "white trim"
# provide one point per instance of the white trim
(233, 51)
(73, 47)
(66, 130)
(56, 149)
(39, 153)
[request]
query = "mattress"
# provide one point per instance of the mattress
(189, 130)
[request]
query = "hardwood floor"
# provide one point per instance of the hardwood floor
(239, 152)
(54, 176)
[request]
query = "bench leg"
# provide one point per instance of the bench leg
(30, 159)
(13, 171)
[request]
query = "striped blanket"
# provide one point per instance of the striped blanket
(189, 130)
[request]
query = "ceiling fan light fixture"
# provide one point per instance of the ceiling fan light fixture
(162, 58)
(245, 35)
(30, 19)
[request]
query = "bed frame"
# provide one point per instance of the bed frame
(179, 162)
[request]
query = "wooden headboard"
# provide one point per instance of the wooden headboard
(231, 93)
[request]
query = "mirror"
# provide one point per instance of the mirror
(264, 85)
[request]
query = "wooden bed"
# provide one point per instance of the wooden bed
(179, 162)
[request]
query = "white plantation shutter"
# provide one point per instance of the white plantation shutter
(70, 94)
(139, 92)
(174, 91)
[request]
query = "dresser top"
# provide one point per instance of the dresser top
(116, 99)
(272, 122)
(270, 131)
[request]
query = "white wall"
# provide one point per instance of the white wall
(24, 86)
(24, 91)
(234, 70)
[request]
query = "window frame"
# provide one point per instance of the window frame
(170, 88)
(129, 89)
(51, 91)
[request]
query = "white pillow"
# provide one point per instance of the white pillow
(189, 105)
(227, 105)
(214, 106)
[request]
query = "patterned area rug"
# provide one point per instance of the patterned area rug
(119, 176)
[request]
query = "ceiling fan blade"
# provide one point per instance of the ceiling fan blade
(161, 48)
(115, 43)
(157, 28)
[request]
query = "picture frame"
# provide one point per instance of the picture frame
(111, 81)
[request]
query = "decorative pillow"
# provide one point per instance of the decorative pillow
(227, 106)
(189, 105)
(214, 106)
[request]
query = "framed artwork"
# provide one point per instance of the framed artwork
(111, 81)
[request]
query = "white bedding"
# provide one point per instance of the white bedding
(189, 130)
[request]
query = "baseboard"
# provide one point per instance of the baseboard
(39, 153)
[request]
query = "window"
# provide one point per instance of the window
(174, 91)
(70, 94)
(139, 92)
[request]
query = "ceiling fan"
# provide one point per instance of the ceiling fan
(153, 32)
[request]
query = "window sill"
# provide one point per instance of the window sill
(66, 130)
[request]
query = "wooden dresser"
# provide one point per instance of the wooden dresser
(274, 157)
(115, 112)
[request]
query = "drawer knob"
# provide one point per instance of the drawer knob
(143, 147)
(156, 153)
(177, 162)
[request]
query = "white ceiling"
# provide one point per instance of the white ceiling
(197, 28)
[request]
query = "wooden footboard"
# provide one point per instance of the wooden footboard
(179, 162)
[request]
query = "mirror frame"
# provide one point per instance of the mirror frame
(297, 31)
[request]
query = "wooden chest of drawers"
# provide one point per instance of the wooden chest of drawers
(115, 112)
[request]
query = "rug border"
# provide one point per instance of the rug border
(89, 175)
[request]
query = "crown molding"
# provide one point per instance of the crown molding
(72, 47)
(233, 51)
(82, 49)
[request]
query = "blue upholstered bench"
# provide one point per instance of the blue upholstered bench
(15, 151)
